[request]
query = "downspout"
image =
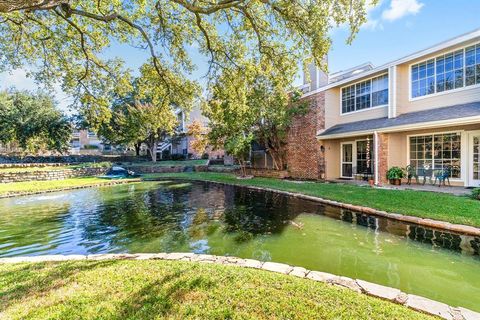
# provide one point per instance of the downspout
(375, 146)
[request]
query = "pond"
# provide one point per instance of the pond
(181, 216)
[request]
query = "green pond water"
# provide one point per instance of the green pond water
(225, 220)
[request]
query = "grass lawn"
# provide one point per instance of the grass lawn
(445, 207)
(37, 186)
(114, 289)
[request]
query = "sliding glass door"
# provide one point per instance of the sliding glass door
(347, 160)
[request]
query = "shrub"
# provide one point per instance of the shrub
(205, 156)
(177, 157)
(476, 193)
(395, 173)
(90, 147)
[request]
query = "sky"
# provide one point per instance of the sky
(395, 28)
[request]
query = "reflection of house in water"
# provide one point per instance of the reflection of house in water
(461, 243)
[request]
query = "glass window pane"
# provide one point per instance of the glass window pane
(449, 62)
(459, 78)
(470, 56)
(459, 59)
(449, 79)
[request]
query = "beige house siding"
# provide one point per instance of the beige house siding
(333, 114)
(446, 98)
(397, 150)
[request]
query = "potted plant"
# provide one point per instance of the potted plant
(395, 175)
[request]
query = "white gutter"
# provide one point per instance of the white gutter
(375, 143)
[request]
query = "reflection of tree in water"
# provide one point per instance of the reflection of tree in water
(255, 212)
(24, 228)
(140, 217)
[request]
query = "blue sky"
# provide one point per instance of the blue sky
(395, 28)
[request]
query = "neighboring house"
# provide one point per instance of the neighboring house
(421, 110)
(180, 144)
(84, 141)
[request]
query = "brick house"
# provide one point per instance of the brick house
(421, 110)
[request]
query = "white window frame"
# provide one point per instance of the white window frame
(463, 152)
(366, 109)
(436, 94)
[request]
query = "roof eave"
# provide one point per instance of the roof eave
(406, 127)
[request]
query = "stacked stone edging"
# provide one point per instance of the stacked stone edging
(360, 286)
(435, 224)
(29, 165)
(268, 173)
(70, 159)
(95, 185)
(48, 175)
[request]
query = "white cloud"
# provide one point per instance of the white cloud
(18, 79)
(400, 8)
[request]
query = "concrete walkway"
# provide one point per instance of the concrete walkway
(458, 191)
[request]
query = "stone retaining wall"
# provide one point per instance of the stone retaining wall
(29, 165)
(70, 159)
(267, 173)
(7, 177)
(362, 287)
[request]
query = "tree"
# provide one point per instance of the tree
(32, 121)
(63, 40)
(276, 104)
(199, 135)
(257, 104)
(147, 114)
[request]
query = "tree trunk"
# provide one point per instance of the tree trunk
(153, 152)
(137, 148)
(15, 5)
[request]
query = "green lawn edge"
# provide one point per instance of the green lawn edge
(141, 289)
(438, 206)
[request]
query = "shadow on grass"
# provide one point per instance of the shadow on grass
(28, 280)
(160, 297)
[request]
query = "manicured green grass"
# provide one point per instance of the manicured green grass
(38, 186)
(114, 289)
(168, 163)
(439, 206)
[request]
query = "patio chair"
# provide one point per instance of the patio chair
(411, 173)
(426, 172)
(443, 175)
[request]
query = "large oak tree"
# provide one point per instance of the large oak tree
(64, 40)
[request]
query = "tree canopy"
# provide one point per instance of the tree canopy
(147, 114)
(32, 122)
(64, 40)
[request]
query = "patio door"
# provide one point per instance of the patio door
(474, 159)
(347, 160)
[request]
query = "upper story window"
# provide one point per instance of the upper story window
(449, 71)
(365, 94)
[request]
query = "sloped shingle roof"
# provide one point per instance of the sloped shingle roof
(453, 112)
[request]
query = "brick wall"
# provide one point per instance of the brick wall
(383, 145)
(304, 158)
